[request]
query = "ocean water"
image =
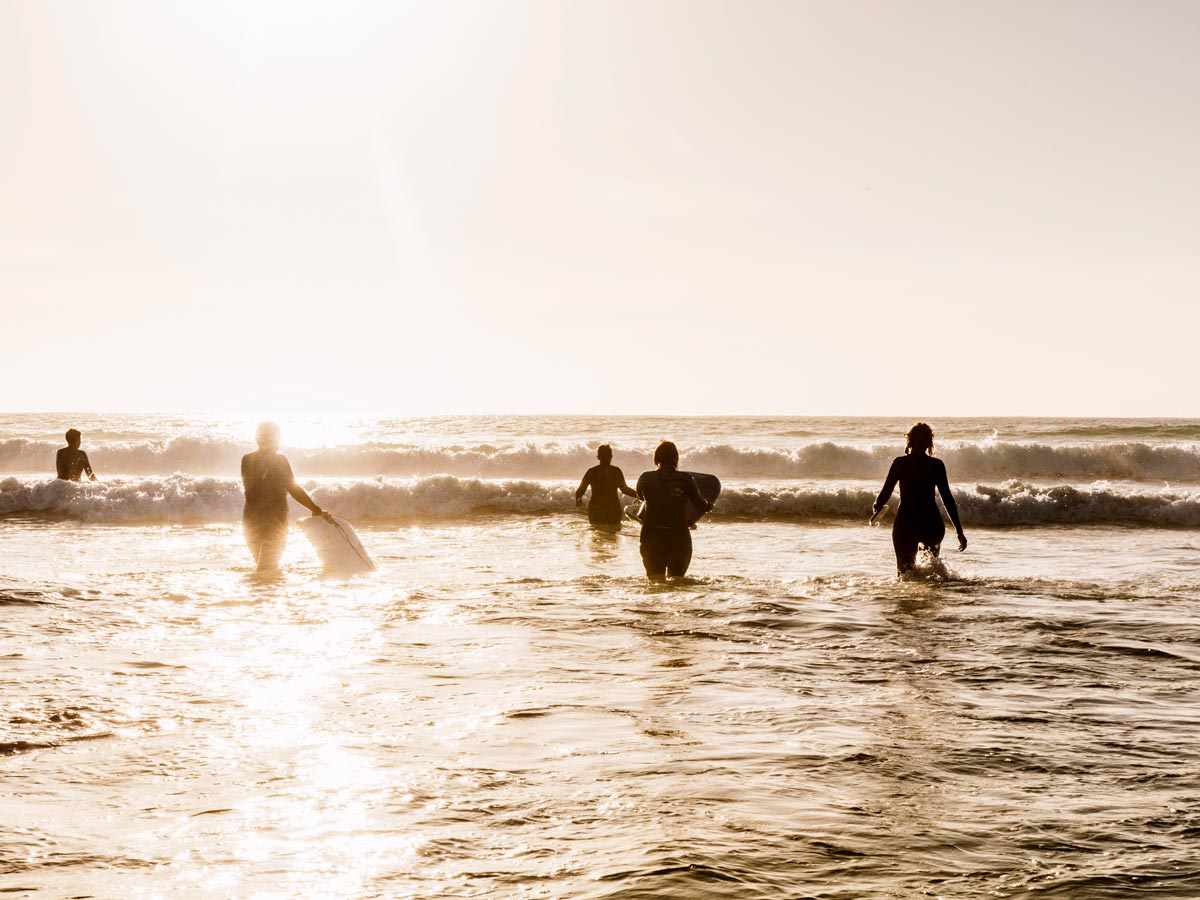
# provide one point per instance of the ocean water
(506, 708)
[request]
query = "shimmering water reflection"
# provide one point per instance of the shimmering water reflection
(468, 723)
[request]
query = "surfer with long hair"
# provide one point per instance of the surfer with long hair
(918, 521)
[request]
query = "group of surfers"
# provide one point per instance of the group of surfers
(671, 500)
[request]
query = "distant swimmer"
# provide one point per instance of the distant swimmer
(919, 521)
(72, 462)
(607, 483)
(666, 518)
(268, 480)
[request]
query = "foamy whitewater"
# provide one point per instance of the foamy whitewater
(506, 708)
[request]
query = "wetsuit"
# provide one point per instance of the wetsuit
(71, 463)
(918, 521)
(606, 482)
(268, 480)
(666, 536)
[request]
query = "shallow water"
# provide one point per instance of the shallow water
(464, 724)
(507, 709)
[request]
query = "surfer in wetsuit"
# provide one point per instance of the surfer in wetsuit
(607, 483)
(919, 521)
(666, 523)
(71, 462)
(268, 480)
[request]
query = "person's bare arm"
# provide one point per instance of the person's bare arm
(301, 496)
(87, 466)
(624, 488)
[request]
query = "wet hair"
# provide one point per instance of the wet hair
(73, 436)
(604, 452)
(919, 438)
(666, 453)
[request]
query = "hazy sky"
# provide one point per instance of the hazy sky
(910, 208)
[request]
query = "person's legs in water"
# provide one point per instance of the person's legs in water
(266, 543)
(909, 536)
(933, 531)
(904, 542)
(605, 515)
(654, 553)
(679, 553)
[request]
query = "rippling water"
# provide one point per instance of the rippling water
(507, 709)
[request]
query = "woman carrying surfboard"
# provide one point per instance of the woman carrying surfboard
(918, 521)
(268, 481)
(672, 505)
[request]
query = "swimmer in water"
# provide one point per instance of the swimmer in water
(72, 462)
(607, 483)
(268, 480)
(919, 521)
(666, 525)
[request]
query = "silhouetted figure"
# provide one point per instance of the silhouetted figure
(71, 462)
(607, 483)
(268, 480)
(666, 520)
(919, 521)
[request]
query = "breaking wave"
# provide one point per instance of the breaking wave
(989, 460)
(180, 498)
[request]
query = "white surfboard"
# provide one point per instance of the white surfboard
(337, 544)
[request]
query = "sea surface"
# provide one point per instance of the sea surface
(508, 709)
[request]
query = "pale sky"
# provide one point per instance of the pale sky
(908, 208)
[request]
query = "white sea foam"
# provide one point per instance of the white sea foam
(989, 460)
(180, 498)
(1013, 503)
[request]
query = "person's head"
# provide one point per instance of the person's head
(666, 455)
(73, 438)
(267, 436)
(604, 453)
(919, 439)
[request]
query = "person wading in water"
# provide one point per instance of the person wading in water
(71, 462)
(607, 483)
(666, 520)
(918, 521)
(268, 480)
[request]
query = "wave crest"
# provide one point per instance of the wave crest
(181, 498)
(992, 460)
